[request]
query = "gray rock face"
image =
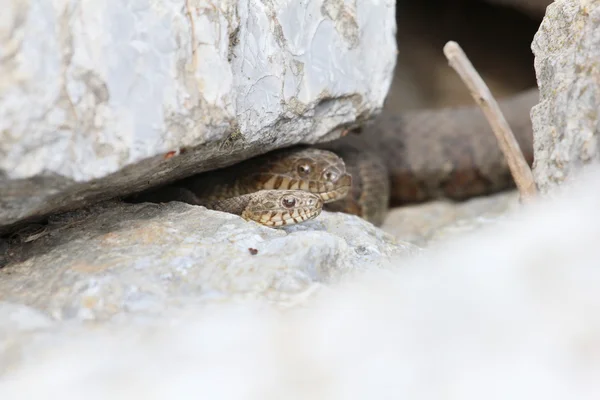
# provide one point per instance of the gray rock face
(566, 121)
(175, 301)
(513, 310)
(102, 99)
(424, 224)
(119, 258)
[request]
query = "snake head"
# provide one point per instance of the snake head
(282, 207)
(317, 171)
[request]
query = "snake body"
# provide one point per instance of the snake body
(283, 187)
(401, 158)
(298, 168)
(430, 154)
(413, 157)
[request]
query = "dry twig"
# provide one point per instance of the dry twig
(519, 168)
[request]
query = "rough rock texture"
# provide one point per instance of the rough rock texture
(510, 312)
(423, 224)
(103, 98)
(566, 122)
(145, 258)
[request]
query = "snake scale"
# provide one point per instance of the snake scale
(412, 157)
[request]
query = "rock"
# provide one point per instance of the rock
(512, 310)
(102, 99)
(118, 258)
(565, 122)
(422, 224)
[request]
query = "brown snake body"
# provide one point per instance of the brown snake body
(283, 187)
(430, 154)
(413, 157)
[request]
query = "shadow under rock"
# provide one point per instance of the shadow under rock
(101, 219)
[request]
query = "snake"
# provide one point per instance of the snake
(283, 187)
(398, 159)
(393, 160)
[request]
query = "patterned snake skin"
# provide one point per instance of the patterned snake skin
(413, 157)
(283, 187)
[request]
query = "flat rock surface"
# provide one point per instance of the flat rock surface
(424, 223)
(120, 258)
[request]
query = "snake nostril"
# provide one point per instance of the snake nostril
(288, 202)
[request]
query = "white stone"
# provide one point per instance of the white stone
(89, 88)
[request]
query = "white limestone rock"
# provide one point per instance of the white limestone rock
(566, 121)
(423, 224)
(101, 98)
(118, 258)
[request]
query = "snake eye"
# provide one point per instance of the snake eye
(330, 176)
(288, 202)
(303, 169)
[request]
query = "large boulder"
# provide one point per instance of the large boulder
(99, 99)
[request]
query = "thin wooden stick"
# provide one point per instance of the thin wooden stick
(519, 168)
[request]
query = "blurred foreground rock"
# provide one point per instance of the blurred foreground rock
(512, 310)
